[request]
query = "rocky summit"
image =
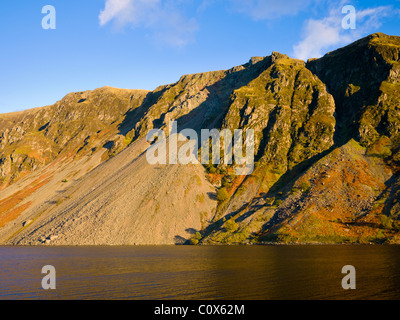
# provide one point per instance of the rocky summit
(326, 151)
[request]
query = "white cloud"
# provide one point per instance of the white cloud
(327, 33)
(163, 18)
(318, 36)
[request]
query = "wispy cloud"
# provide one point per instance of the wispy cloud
(167, 21)
(320, 35)
(162, 18)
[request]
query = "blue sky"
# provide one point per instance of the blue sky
(141, 44)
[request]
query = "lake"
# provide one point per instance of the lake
(201, 272)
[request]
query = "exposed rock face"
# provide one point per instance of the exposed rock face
(364, 80)
(327, 143)
(289, 109)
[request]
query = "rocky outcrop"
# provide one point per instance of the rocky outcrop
(364, 80)
(79, 122)
(289, 109)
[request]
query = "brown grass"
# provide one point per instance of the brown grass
(8, 206)
(13, 214)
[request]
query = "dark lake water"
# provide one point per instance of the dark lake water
(201, 272)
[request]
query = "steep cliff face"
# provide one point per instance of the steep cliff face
(288, 108)
(327, 157)
(292, 115)
(364, 80)
(197, 101)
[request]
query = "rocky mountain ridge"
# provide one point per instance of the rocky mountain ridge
(327, 143)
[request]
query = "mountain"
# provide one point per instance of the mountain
(326, 150)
